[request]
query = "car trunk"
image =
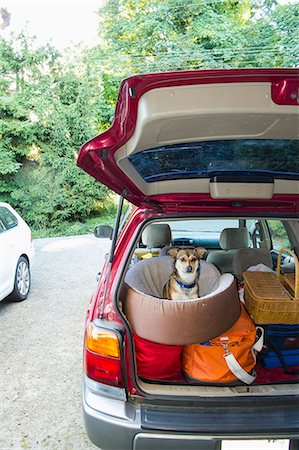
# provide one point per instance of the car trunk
(269, 380)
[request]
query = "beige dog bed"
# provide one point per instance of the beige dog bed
(178, 322)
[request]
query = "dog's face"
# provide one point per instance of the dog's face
(186, 260)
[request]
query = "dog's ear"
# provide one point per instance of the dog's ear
(173, 251)
(200, 252)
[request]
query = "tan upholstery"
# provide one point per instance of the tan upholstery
(247, 257)
(231, 239)
(178, 322)
(156, 235)
(234, 238)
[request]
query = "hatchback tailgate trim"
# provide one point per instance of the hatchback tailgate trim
(250, 417)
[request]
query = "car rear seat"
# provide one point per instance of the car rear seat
(231, 240)
(247, 257)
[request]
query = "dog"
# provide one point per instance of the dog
(183, 282)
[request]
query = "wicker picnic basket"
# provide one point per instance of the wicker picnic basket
(273, 298)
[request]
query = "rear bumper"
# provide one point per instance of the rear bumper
(114, 424)
(114, 433)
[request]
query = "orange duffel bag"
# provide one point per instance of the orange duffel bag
(227, 358)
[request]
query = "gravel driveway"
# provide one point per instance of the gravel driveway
(41, 347)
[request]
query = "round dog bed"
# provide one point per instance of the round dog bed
(178, 322)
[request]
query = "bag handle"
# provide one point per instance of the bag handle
(238, 370)
(233, 364)
(293, 254)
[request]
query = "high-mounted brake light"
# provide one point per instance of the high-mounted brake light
(103, 356)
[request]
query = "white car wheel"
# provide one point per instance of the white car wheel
(22, 281)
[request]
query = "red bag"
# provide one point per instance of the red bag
(158, 361)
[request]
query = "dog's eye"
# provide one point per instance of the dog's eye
(193, 259)
(183, 259)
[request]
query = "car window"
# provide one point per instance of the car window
(278, 234)
(8, 218)
(125, 214)
(2, 226)
(204, 232)
(180, 228)
(257, 237)
(212, 158)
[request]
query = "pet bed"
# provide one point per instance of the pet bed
(178, 322)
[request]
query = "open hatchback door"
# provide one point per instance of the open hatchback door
(203, 136)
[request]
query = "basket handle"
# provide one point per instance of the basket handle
(293, 254)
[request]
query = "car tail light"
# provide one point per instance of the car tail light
(103, 356)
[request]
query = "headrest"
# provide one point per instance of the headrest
(156, 235)
(247, 257)
(232, 238)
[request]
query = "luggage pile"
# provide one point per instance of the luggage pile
(267, 331)
(272, 300)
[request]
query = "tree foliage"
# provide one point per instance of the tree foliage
(143, 35)
(50, 105)
(47, 111)
(140, 36)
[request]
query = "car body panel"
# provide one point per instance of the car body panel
(168, 108)
(14, 242)
(9, 248)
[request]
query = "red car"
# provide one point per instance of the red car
(210, 159)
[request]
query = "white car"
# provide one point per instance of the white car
(16, 255)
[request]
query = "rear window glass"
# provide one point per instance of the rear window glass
(202, 232)
(210, 158)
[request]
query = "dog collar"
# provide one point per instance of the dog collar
(185, 286)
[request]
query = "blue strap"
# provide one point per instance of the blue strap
(186, 286)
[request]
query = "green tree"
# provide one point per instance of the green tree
(142, 35)
(145, 36)
(20, 74)
(48, 109)
(50, 104)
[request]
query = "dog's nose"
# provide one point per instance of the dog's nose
(189, 269)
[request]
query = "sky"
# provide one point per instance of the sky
(61, 22)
